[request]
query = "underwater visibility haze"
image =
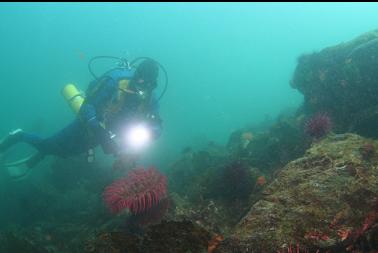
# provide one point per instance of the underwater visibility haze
(264, 140)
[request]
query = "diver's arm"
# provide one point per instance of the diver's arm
(90, 118)
(88, 115)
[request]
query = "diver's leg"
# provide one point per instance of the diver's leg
(61, 143)
(53, 145)
(39, 143)
(71, 140)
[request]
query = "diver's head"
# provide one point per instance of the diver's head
(146, 75)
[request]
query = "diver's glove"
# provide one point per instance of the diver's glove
(109, 144)
(105, 137)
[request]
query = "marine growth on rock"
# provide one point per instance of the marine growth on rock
(318, 125)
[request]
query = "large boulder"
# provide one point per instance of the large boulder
(325, 200)
(166, 237)
(342, 80)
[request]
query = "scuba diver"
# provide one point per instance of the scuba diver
(118, 112)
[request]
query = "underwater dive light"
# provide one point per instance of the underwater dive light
(138, 136)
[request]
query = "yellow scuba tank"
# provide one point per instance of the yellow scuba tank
(123, 85)
(73, 96)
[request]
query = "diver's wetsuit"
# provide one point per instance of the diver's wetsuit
(71, 140)
(85, 132)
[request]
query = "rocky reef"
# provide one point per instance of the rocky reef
(341, 80)
(166, 237)
(325, 200)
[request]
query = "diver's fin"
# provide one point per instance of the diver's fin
(20, 169)
(12, 138)
(19, 162)
(17, 171)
